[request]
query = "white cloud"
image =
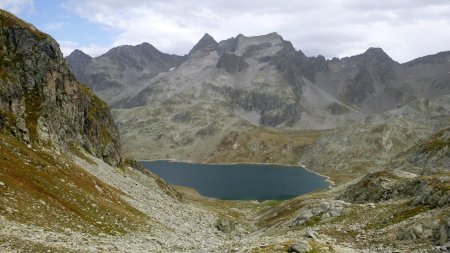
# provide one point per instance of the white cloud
(404, 28)
(17, 6)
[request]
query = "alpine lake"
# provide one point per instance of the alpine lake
(239, 181)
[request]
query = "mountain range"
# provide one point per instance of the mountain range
(182, 104)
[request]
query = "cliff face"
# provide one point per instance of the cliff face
(41, 102)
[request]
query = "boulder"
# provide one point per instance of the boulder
(300, 247)
(225, 225)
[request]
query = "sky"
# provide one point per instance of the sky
(405, 29)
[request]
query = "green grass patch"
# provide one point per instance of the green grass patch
(398, 213)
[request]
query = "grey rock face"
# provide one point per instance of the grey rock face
(228, 45)
(319, 210)
(232, 63)
(375, 83)
(38, 92)
(442, 233)
(78, 61)
(411, 233)
(206, 44)
(395, 135)
(300, 247)
(225, 225)
(121, 70)
(21, 130)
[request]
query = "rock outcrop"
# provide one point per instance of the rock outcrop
(42, 103)
(206, 44)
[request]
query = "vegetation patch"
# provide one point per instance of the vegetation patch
(47, 190)
(76, 151)
(33, 102)
(437, 142)
(398, 213)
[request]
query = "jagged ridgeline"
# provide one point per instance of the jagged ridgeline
(208, 103)
(41, 102)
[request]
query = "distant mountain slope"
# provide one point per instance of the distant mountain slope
(370, 82)
(265, 81)
(245, 80)
(122, 69)
(374, 83)
(368, 145)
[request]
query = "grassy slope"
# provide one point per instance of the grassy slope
(49, 191)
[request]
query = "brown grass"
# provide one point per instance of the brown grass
(50, 191)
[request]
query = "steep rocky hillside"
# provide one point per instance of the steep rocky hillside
(41, 102)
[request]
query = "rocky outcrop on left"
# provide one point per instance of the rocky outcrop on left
(42, 103)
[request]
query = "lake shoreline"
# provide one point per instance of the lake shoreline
(331, 185)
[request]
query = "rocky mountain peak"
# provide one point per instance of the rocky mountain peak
(79, 53)
(375, 50)
(376, 55)
(206, 44)
(148, 48)
(78, 60)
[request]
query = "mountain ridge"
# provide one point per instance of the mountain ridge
(263, 80)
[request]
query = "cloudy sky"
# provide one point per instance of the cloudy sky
(405, 29)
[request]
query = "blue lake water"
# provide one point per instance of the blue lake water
(239, 181)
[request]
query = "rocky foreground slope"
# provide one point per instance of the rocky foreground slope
(65, 188)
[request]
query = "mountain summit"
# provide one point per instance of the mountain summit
(205, 44)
